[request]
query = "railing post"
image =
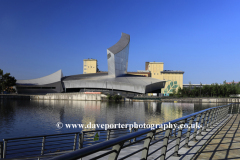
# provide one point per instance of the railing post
(219, 114)
(43, 145)
(82, 140)
(202, 121)
(179, 135)
(130, 141)
(4, 148)
(238, 108)
(79, 140)
(206, 122)
(75, 142)
(195, 129)
(213, 117)
(147, 143)
(135, 130)
(209, 119)
(232, 109)
(153, 138)
(174, 131)
(117, 148)
(226, 111)
(189, 131)
(165, 144)
(1, 150)
(223, 112)
(108, 134)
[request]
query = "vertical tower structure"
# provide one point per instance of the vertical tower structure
(117, 56)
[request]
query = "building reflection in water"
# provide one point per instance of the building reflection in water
(158, 113)
(20, 118)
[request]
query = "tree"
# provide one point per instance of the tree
(179, 91)
(6, 82)
(98, 69)
(190, 85)
(174, 92)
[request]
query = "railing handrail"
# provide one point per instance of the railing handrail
(6, 139)
(106, 144)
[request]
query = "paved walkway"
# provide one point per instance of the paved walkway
(186, 153)
(224, 144)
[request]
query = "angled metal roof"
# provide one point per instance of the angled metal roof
(54, 77)
(121, 44)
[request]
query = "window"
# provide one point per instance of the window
(36, 87)
(109, 55)
(85, 69)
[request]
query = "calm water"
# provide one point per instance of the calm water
(20, 118)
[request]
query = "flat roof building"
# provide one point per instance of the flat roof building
(173, 78)
(89, 66)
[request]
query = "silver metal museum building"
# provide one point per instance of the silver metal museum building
(116, 79)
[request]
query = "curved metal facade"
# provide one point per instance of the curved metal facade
(128, 83)
(118, 56)
(54, 77)
(48, 84)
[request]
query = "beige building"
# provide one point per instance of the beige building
(174, 79)
(89, 66)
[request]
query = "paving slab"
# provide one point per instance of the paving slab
(224, 144)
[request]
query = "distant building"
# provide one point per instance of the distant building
(89, 66)
(174, 79)
(232, 82)
(191, 86)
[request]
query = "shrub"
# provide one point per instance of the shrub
(117, 97)
(109, 97)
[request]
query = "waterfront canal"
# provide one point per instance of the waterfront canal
(20, 118)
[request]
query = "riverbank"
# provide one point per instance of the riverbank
(74, 97)
(201, 100)
(102, 97)
(14, 96)
(68, 96)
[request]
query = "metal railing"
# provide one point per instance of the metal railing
(38, 145)
(55, 144)
(166, 142)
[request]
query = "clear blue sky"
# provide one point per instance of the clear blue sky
(199, 37)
